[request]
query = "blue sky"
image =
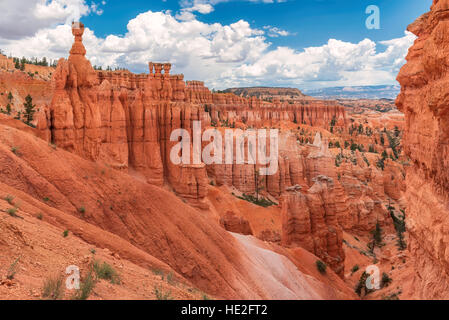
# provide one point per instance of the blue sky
(298, 43)
(310, 22)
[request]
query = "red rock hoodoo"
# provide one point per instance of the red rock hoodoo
(125, 120)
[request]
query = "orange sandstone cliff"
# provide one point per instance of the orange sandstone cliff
(424, 100)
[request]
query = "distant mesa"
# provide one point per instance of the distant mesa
(269, 93)
(356, 92)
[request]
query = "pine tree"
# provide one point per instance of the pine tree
(8, 106)
(259, 182)
(29, 109)
(377, 235)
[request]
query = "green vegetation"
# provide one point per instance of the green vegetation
(355, 268)
(321, 266)
(161, 295)
(86, 287)
(65, 234)
(332, 124)
(393, 296)
(12, 270)
(377, 235)
(386, 280)
(9, 198)
(20, 63)
(29, 110)
(400, 227)
(259, 180)
(381, 161)
(394, 144)
(365, 159)
(12, 212)
(262, 202)
(170, 278)
(106, 271)
(53, 288)
(15, 150)
(362, 284)
(339, 159)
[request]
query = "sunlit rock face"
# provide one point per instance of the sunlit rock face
(125, 120)
(424, 99)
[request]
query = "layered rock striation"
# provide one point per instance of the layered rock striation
(424, 99)
(125, 120)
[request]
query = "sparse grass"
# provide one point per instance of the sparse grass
(86, 287)
(106, 271)
(53, 288)
(9, 198)
(170, 278)
(93, 251)
(321, 266)
(158, 272)
(12, 212)
(15, 150)
(65, 234)
(12, 270)
(161, 295)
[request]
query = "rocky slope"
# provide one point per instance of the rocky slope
(424, 100)
(143, 224)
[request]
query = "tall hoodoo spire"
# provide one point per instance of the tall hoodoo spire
(78, 47)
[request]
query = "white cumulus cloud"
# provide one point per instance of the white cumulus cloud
(20, 18)
(224, 55)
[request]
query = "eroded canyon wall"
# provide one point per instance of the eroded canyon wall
(125, 120)
(424, 99)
